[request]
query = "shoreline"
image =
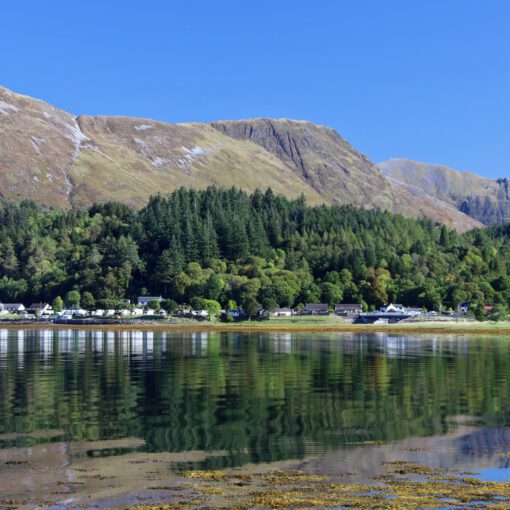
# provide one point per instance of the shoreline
(444, 328)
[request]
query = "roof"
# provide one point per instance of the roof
(316, 306)
(12, 305)
(35, 306)
(153, 298)
(348, 306)
(283, 309)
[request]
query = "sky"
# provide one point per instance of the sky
(424, 80)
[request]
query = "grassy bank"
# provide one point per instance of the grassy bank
(290, 324)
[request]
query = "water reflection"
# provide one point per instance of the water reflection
(256, 397)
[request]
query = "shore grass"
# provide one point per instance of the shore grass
(289, 324)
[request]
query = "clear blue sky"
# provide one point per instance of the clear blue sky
(427, 80)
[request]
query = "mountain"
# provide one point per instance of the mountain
(61, 160)
(486, 200)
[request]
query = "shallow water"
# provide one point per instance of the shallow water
(343, 404)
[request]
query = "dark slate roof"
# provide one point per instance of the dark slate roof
(348, 306)
(316, 306)
(37, 306)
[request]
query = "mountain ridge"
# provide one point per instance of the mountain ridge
(63, 160)
(486, 200)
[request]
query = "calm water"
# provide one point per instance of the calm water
(258, 397)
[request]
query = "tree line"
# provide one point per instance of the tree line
(250, 250)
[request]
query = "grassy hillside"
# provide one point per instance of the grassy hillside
(62, 161)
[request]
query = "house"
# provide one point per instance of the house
(143, 301)
(414, 311)
(199, 313)
(315, 309)
(348, 310)
(282, 312)
(14, 308)
(76, 310)
(487, 309)
(393, 308)
(40, 309)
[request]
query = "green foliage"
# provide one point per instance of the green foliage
(73, 298)
(87, 301)
(213, 307)
(58, 304)
(154, 305)
(169, 305)
(263, 249)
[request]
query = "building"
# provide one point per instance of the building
(282, 312)
(14, 308)
(40, 309)
(143, 301)
(315, 309)
(348, 310)
(393, 308)
(487, 309)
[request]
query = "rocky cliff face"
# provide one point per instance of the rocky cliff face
(62, 161)
(485, 200)
(336, 170)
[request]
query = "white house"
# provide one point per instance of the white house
(143, 301)
(393, 308)
(14, 308)
(40, 309)
(282, 312)
(199, 313)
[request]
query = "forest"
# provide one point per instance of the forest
(260, 250)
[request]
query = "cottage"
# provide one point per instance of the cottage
(348, 310)
(393, 308)
(40, 309)
(282, 312)
(77, 310)
(143, 301)
(199, 313)
(14, 308)
(315, 309)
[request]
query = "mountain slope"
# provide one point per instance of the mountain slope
(63, 161)
(486, 200)
(337, 170)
